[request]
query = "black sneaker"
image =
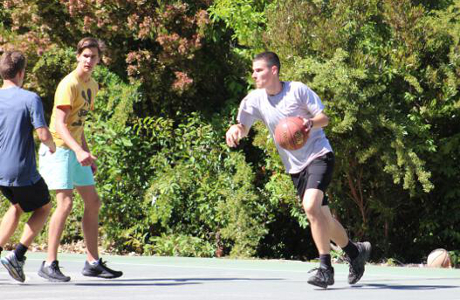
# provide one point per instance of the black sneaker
(52, 272)
(100, 270)
(357, 265)
(322, 278)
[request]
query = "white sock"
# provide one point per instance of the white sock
(94, 262)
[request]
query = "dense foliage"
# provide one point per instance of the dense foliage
(174, 72)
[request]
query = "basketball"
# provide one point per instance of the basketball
(290, 133)
(439, 258)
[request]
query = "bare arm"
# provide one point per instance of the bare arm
(318, 121)
(84, 145)
(235, 133)
(83, 156)
(44, 135)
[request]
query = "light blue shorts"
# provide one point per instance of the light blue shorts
(61, 170)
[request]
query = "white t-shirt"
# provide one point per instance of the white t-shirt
(295, 99)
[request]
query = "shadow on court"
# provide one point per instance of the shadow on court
(197, 279)
(406, 286)
(164, 281)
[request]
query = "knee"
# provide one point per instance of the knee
(16, 210)
(313, 212)
(94, 204)
(312, 203)
(65, 207)
(98, 204)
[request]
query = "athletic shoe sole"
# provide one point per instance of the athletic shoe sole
(12, 270)
(44, 275)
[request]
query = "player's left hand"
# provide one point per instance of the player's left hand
(52, 148)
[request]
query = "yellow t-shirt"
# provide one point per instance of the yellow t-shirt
(79, 96)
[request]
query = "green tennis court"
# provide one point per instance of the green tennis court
(200, 278)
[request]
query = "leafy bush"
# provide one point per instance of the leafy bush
(203, 190)
(162, 180)
(179, 245)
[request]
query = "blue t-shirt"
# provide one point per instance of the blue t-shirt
(21, 112)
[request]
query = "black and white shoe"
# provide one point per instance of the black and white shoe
(100, 270)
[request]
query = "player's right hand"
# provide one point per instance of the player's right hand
(233, 135)
(85, 158)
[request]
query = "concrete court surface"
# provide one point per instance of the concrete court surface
(200, 278)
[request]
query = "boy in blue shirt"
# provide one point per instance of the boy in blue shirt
(21, 112)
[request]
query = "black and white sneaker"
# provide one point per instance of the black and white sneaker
(14, 266)
(100, 270)
(356, 270)
(52, 272)
(322, 278)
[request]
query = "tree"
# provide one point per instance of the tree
(180, 57)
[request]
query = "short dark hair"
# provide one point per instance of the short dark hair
(270, 58)
(11, 63)
(89, 42)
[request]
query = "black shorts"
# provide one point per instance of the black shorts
(317, 175)
(28, 197)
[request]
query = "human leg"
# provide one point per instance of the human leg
(56, 171)
(357, 254)
(14, 261)
(31, 229)
(336, 230)
(64, 204)
(33, 198)
(35, 224)
(9, 223)
(8, 226)
(90, 223)
(312, 203)
(94, 266)
(311, 184)
(50, 268)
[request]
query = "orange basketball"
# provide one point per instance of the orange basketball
(439, 258)
(290, 133)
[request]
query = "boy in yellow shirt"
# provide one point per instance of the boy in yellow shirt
(73, 165)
